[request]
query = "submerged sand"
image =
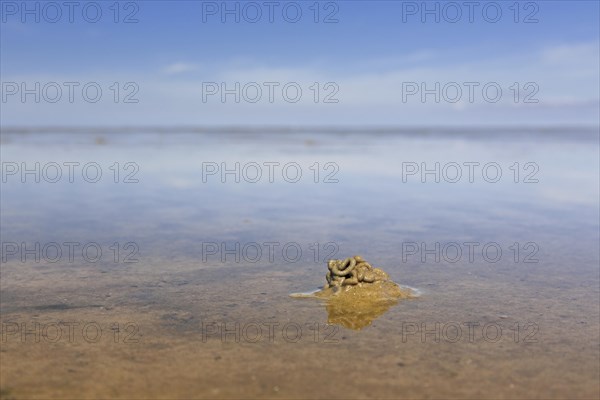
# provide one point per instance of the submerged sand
(176, 326)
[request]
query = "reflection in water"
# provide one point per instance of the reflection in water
(359, 317)
(358, 307)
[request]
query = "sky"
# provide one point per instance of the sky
(351, 63)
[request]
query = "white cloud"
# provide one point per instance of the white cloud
(571, 53)
(179, 68)
(566, 95)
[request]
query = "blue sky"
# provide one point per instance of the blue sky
(371, 53)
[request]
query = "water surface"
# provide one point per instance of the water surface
(189, 320)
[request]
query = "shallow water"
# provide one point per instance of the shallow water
(192, 320)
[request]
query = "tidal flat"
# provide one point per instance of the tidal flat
(160, 264)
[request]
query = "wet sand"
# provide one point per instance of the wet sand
(183, 324)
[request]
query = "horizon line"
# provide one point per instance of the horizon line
(249, 128)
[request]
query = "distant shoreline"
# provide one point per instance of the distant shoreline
(411, 130)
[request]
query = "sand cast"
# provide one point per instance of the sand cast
(357, 293)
